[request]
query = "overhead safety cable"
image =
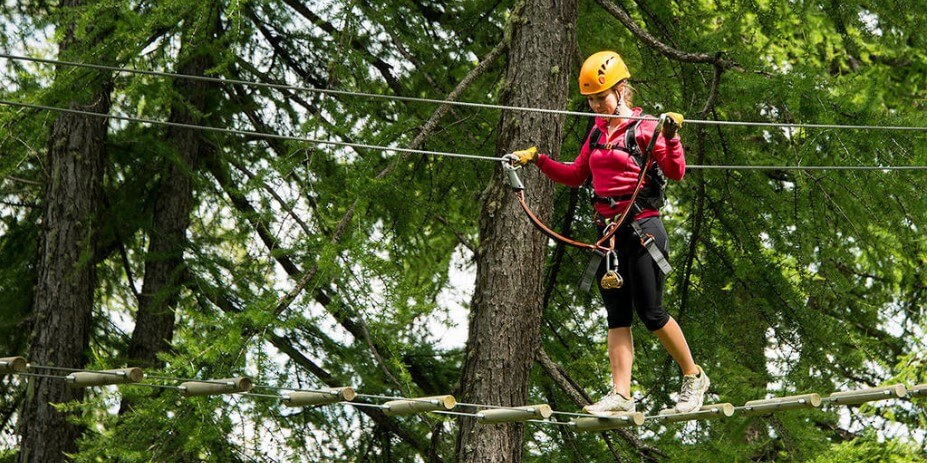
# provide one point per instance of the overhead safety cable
(243, 132)
(441, 102)
(407, 150)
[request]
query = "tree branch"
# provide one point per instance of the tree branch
(286, 346)
(274, 42)
(382, 66)
(666, 50)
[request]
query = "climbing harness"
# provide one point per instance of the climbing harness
(604, 247)
(652, 195)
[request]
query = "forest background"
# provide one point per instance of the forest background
(204, 254)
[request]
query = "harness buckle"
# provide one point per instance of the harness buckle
(647, 239)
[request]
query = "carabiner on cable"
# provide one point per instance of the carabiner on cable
(510, 165)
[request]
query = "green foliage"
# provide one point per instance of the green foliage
(786, 281)
(869, 449)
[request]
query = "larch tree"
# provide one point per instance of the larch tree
(330, 263)
(67, 280)
(174, 199)
(505, 316)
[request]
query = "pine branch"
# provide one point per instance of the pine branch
(273, 193)
(389, 424)
(275, 44)
(666, 50)
(286, 346)
(383, 67)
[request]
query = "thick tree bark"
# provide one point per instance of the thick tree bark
(154, 322)
(63, 304)
(506, 308)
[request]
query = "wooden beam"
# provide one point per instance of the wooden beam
(705, 412)
(860, 396)
(778, 404)
(419, 405)
(508, 415)
(216, 386)
(10, 365)
(321, 397)
(105, 377)
(604, 423)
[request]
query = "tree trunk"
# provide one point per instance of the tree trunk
(164, 266)
(506, 308)
(67, 277)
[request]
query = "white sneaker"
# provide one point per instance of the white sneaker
(693, 391)
(613, 403)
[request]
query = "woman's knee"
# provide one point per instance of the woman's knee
(654, 318)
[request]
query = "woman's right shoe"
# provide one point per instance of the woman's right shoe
(693, 391)
(613, 403)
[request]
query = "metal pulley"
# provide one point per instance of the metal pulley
(611, 279)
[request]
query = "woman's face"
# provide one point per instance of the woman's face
(604, 102)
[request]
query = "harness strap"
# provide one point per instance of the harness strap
(510, 166)
(630, 142)
(595, 260)
(637, 188)
(650, 245)
(611, 200)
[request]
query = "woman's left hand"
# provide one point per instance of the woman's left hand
(525, 156)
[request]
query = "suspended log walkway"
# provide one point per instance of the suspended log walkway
(448, 405)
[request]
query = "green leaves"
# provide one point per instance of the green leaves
(786, 280)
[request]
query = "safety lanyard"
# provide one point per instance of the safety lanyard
(511, 169)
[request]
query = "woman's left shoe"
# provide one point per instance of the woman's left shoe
(693, 391)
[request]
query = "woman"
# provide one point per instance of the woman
(611, 159)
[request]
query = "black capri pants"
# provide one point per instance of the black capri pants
(642, 291)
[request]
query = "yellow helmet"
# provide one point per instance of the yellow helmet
(601, 71)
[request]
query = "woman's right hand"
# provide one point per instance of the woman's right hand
(526, 155)
(671, 124)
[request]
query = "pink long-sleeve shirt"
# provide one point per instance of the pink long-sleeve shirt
(613, 172)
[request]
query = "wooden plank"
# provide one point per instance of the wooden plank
(778, 404)
(10, 365)
(861, 396)
(105, 377)
(603, 423)
(508, 415)
(705, 412)
(320, 397)
(216, 386)
(419, 405)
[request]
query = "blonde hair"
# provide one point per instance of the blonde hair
(627, 91)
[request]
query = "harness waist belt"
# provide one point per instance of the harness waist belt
(610, 199)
